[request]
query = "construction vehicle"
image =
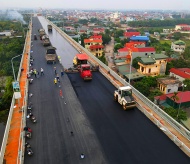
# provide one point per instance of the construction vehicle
(85, 72)
(51, 56)
(80, 59)
(49, 27)
(45, 40)
(41, 32)
(80, 62)
(124, 97)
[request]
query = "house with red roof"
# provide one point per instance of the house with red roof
(180, 27)
(167, 100)
(180, 73)
(98, 30)
(137, 51)
(130, 34)
(94, 45)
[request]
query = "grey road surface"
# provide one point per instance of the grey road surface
(57, 116)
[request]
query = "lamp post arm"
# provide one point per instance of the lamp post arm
(13, 66)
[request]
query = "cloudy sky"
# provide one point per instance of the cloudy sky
(99, 4)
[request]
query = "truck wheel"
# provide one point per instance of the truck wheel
(115, 98)
(124, 106)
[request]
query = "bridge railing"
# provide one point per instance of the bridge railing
(23, 110)
(181, 129)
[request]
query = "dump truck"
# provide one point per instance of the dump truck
(51, 56)
(41, 32)
(124, 97)
(45, 40)
(49, 27)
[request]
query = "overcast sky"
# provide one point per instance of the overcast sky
(99, 4)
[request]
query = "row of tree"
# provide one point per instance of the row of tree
(158, 23)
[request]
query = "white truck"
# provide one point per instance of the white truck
(124, 96)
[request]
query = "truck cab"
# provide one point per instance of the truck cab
(85, 72)
(124, 97)
(51, 56)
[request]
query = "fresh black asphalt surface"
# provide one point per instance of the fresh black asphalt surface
(102, 130)
(51, 140)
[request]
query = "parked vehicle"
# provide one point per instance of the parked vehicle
(124, 97)
(49, 27)
(28, 149)
(35, 37)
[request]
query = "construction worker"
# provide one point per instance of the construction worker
(55, 81)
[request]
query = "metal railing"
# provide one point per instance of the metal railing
(7, 129)
(178, 127)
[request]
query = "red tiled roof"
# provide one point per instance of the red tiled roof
(161, 98)
(183, 96)
(182, 25)
(130, 34)
(181, 72)
(93, 40)
(135, 49)
(96, 46)
(96, 37)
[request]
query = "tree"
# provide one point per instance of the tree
(106, 38)
(187, 83)
(154, 93)
(175, 98)
(142, 87)
(117, 46)
(135, 62)
(173, 113)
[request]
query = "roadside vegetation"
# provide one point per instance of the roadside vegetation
(9, 47)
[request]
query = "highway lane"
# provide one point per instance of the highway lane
(126, 136)
(51, 140)
(67, 54)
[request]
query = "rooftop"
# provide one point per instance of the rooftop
(140, 38)
(182, 72)
(147, 60)
(185, 95)
(168, 80)
(179, 42)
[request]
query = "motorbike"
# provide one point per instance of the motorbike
(30, 106)
(28, 149)
(32, 117)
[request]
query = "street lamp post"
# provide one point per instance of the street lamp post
(13, 66)
(183, 86)
(130, 65)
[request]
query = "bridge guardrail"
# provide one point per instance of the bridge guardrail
(6, 133)
(181, 129)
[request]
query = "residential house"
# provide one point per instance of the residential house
(94, 45)
(178, 46)
(98, 30)
(137, 51)
(140, 39)
(167, 100)
(181, 27)
(168, 85)
(153, 65)
(6, 33)
(130, 34)
(180, 73)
